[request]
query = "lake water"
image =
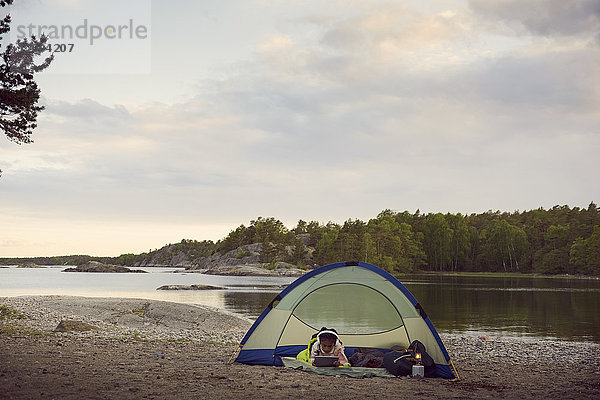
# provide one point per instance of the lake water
(559, 308)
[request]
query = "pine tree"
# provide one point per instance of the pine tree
(19, 93)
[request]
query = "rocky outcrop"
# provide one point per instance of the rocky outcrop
(166, 257)
(189, 287)
(95, 266)
(281, 269)
(67, 325)
(244, 255)
(243, 261)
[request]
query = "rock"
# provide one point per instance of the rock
(95, 266)
(254, 270)
(189, 287)
(74, 326)
(30, 265)
(243, 261)
(226, 263)
(243, 255)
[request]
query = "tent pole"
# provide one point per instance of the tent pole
(455, 372)
(235, 352)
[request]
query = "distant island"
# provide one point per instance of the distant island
(30, 265)
(95, 266)
(189, 287)
(561, 240)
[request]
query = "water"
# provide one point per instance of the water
(244, 295)
(558, 308)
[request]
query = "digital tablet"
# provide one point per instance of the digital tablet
(325, 361)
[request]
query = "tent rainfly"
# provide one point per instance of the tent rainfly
(365, 304)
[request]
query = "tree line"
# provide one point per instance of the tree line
(561, 240)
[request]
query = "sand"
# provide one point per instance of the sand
(149, 349)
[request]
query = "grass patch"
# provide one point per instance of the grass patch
(270, 266)
(8, 312)
(216, 343)
(141, 337)
(138, 336)
(8, 329)
(140, 311)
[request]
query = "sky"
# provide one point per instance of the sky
(219, 112)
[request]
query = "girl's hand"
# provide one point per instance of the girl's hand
(337, 363)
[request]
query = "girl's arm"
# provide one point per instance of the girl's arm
(343, 361)
(314, 351)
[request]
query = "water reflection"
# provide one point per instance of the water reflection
(250, 304)
(560, 308)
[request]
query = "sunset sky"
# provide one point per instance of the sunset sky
(230, 110)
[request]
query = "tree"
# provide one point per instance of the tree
(268, 252)
(19, 93)
(460, 246)
(235, 239)
(301, 227)
(395, 245)
(327, 249)
(593, 256)
(585, 254)
(505, 245)
(367, 248)
(437, 241)
(298, 252)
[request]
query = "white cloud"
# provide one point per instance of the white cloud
(276, 43)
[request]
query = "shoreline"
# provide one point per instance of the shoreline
(475, 274)
(159, 349)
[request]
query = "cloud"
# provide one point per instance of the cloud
(396, 27)
(561, 81)
(87, 110)
(394, 37)
(276, 43)
(549, 18)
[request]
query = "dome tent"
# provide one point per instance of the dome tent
(365, 304)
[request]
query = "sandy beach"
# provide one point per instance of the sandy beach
(146, 349)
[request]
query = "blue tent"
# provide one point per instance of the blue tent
(365, 304)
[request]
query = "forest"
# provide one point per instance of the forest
(561, 240)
